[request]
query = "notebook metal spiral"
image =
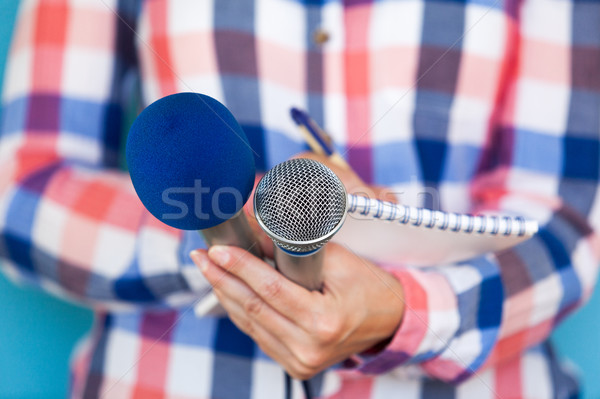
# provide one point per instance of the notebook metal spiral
(446, 221)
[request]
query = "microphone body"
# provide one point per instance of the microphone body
(304, 270)
(236, 232)
(192, 167)
(300, 204)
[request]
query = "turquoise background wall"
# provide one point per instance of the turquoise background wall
(37, 331)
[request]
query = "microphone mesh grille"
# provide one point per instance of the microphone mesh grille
(300, 200)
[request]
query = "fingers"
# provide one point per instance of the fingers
(241, 301)
(275, 349)
(268, 343)
(305, 331)
(283, 295)
(277, 336)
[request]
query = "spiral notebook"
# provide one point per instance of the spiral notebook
(423, 237)
(410, 235)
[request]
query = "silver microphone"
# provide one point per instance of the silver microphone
(300, 204)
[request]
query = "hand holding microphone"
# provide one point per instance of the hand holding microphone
(358, 304)
(306, 331)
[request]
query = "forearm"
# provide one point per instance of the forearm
(69, 220)
(84, 232)
(464, 317)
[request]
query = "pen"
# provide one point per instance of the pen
(318, 141)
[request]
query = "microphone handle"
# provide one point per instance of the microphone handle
(236, 232)
(303, 270)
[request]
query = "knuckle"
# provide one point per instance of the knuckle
(272, 289)
(328, 330)
(253, 305)
(311, 359)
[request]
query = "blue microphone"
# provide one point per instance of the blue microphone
(192, 167)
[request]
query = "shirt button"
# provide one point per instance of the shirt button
(320, 36)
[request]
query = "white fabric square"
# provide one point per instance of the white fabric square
(330, 384)
(456, 197)
(190, 373)
(115, 250)
(464, 349)
(469, 121)
(18, 73)
(332, 15)
(485, 31)
(387, 386)
(412, 193)
(266, 380)
(547, 20)
(392, 115)
(547, 295)
(9, 147)
(159, 253)
(107, 5)
(195, 279)
(281, 22)
(463, 278)
(48, 229)
(87, 73)
(276, 116)
(547, 116)
(122, 356)
(335, 118)
(73, 146)
(151, 91)
(480, 387)
(441, 328)
(535, 376)
(398, 23)
(186, 16)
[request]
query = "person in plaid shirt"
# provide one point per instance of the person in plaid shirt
(492, 104)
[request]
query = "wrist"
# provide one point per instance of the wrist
(394, 307)
(387, 317)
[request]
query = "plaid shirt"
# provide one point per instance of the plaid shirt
(492, 105)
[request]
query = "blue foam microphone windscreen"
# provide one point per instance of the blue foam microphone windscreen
(190, 161)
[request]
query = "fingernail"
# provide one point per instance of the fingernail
(219, 255)
(199, 260)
